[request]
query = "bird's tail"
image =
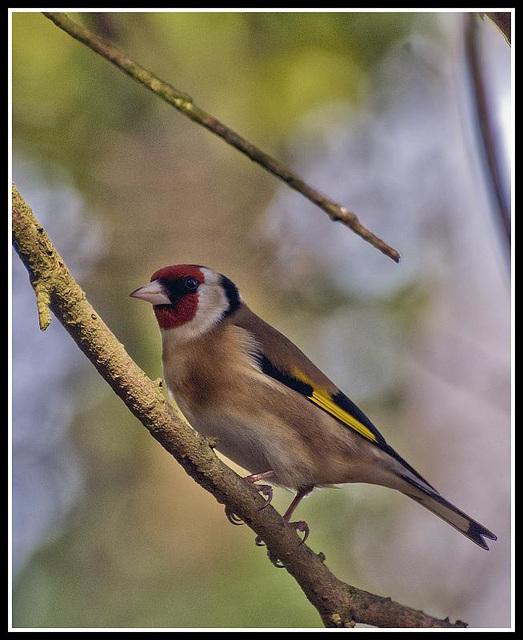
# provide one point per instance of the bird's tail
(431, 499)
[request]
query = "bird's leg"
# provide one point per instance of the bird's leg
(299, 525)
(264, 489)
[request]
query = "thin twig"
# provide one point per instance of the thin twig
(184, 103)
(503, 21)
(339, 604)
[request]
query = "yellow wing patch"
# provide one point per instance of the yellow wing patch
(323, 399)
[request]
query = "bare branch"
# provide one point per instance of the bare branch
(184, 103)
(339, 604)
(502, 22)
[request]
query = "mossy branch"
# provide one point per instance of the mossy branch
(185, 104)
(339, 604)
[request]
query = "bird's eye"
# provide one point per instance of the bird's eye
(191, 284)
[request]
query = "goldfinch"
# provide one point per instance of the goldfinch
(271, 410)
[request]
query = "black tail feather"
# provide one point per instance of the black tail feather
(434, 502)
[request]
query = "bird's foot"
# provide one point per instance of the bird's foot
(301, 526)
(264, 489)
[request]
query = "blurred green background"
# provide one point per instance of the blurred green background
(372, 109)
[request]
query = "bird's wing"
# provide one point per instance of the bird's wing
(283, 361)
(334, 402)
(280, 359)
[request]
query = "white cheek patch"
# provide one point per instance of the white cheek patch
(212, 305)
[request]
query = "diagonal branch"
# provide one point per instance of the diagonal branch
(503, 22)
(184, 103)
(339, 604)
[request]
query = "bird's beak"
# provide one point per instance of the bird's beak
(152, 292)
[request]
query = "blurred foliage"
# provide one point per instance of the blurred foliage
(143, 546)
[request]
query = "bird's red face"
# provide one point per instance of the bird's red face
(180, 283)
(189, 296)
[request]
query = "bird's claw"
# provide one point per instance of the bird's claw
(233, 518)
(299, 525)
(264, 490)
(277, 564)
(303, 527)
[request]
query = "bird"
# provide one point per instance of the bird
(268, 408)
